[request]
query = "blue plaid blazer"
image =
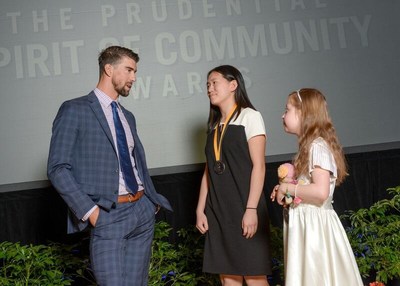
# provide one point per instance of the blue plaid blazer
(83, 163)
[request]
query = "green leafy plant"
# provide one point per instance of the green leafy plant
(191, 248)
(168, 264)
(38, 264)
(175, 264)
(374, 234)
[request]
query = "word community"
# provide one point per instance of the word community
(192, 46)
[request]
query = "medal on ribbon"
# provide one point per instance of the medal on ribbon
(219, 166)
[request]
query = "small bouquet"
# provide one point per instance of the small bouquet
(286, 174)
(376, 284)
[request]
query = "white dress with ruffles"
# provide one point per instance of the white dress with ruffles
(317, 250)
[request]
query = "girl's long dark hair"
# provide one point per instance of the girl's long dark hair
(241, 98)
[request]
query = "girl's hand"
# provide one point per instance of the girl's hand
(202, 223)
(250, 223)
(278, 193)
(281, 192)
(275, 196)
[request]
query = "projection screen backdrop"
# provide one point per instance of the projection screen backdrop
(48, 54)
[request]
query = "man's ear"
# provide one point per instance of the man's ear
(108, 69)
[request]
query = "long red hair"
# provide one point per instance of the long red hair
(316, 122)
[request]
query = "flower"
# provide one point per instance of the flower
(286, 173)
(376, 284)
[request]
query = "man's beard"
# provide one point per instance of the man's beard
(121, 90)
(123, 93)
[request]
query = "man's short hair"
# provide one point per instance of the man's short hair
(113, 55)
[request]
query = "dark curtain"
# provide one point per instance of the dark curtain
(39, 215)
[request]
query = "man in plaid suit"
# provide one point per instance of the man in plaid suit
(84, 167)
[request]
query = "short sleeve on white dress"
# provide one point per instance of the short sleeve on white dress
(321, 155)
(252, 121)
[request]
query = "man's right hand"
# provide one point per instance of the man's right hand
(94, 216)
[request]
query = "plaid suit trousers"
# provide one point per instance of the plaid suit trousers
(121, 241)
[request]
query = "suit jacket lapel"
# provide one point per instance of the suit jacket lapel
(98, 112)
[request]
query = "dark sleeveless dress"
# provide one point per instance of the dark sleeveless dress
(226, 251)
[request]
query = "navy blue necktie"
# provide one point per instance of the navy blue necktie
(123, 151)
